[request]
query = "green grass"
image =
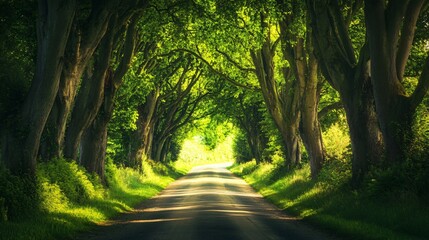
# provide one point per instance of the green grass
(72, 200)
(331, 205)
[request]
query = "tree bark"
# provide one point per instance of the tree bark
(22, 139)
(90, 96)
(94, 144)
(350, 78)
(158, 149)
(311, 132)
(283, 105)
(139, 139)
(81, 45)
(305, 69)
(98, 127)
(390, 46)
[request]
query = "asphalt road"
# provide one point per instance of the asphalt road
(208, 203)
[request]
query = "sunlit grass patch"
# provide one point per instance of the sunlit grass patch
(330, 204)
(71, 200)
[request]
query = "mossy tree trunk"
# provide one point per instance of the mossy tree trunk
(298, 51)
(92, 149)
(283, 103)
(83, 41)
(391, 29)
(21, 140)
(350, 77)
(140, 138)
(90, 96)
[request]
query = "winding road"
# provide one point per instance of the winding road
(208, 203)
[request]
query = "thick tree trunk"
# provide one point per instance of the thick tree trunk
(364, 132)
(311, 132)
(94, 142)
(21, 140)
(148, 142)
(283, 107)
(157, 149)
(165, 150)
(90, 97)
(390, 46)
(256, 142)
(305, 69)
(350, 78)
(139, 138)
(80, 48)
(93, 147)
(88, 101)
(293, 145)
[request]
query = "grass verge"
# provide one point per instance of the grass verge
(331, 205)
(71, 200)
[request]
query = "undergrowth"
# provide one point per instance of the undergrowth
(331, 204)
(70, 200)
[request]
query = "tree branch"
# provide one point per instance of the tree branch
(274, 46)
(422, 87)
(324, 111)
(223, 75)
(407, 36)
(128, 53)
(394, 13)
(343, 38)
(236, 64)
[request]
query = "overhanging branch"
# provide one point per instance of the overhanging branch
(236, 64)
(334, 106)
(218, 72)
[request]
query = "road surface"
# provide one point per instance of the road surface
(208, 203)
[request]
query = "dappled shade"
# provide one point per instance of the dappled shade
(208, 203)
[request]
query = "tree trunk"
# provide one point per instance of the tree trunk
(148, 141)
(139, 139)
(94, 140)
(350, 78)
(157, 149)
(283, 107)
(82, 43)
(364, 132)
(165, 150)
(93, 147)
(21, 140)
(311, 132)
(88, 101)
(390, 47)
(305, 69)
(92, 156)
(90, 97)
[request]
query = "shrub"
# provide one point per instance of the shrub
(18, 196)
(76, 184)
(337, 143)
(51, 197)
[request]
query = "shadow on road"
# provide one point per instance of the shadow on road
(208, 203)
